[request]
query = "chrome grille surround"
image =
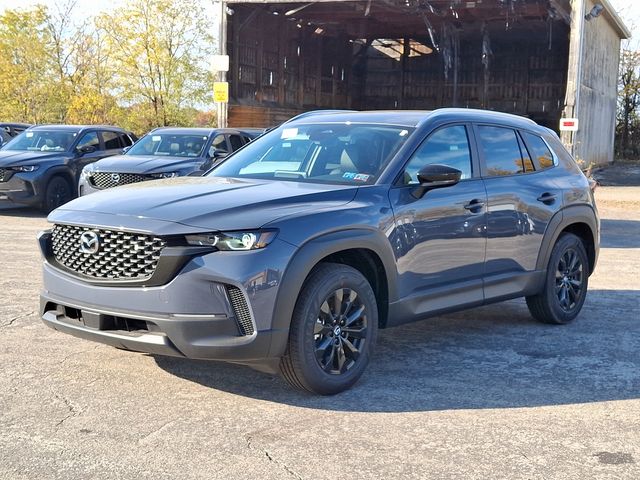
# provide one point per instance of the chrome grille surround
(241, 310)
(120, 255)
(104, 180)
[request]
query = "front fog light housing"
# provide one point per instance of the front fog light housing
(235, 241)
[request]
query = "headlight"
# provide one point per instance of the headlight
(25, 168)
(237, 241)
(165, 175)
(87, 172)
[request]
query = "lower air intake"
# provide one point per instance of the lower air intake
(240, 309)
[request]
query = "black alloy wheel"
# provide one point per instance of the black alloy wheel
(58, 193)
(569, 279)
(340, 331)
(566, 283)
(333, 330)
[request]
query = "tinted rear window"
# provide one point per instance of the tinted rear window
(501, 150)
(539, 150)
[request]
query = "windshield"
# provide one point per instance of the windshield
(326, 153)
(170, 145)
(43, 141)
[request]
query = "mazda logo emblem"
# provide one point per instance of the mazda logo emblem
(115, 177)
(89, 243)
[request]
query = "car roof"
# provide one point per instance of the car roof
(77, 128)
(412, 118)
(194, 130)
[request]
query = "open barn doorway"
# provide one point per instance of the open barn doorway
(289, 57)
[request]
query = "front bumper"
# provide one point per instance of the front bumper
(85, 187)
(21, 188)
(193, 315)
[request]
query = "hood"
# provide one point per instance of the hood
(14, 158)
(207, 203)
(145, 163)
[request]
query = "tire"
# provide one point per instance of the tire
(333, 331)
(566, 283)
(57, 193)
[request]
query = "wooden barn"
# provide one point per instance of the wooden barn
(544, 59)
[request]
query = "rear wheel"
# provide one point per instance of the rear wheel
(566, 283)
(58, 193)
(333, 331)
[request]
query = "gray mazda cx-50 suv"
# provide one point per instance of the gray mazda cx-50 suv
(291, 254)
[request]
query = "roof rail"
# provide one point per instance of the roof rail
(314, 112)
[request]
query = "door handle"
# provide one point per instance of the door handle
(547, 198)
(474, 206)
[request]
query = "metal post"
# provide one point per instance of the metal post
(222, 50)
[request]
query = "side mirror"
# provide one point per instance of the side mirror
(436, 176)
(218, 153)
(126, 149)
(86, 149)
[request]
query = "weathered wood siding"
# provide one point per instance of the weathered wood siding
(598, 91)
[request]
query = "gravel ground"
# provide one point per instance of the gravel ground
(487, 393)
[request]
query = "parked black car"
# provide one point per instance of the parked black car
(291, 254)
(41, 166)
(164, 153)
(14, 129)
(4, 137)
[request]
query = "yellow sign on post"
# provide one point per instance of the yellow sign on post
(221, 92)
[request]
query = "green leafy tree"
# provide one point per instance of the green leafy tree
(159, 56)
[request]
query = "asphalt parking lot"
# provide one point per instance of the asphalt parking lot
(488, 393)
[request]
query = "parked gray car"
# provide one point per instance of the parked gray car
(291, 254)
(165, 152)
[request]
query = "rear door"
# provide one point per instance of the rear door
(111, 143)
(522, 198)
(439, 239)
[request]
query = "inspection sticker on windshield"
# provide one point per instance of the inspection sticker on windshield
(29, 134)
(156, 138)
(358, 177)
(289, 133)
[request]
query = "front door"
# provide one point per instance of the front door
(440, 239)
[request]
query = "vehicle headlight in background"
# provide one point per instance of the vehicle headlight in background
(236, 241)
(86, 172)
(165, 175)
(24, 168)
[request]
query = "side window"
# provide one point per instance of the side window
(501, 150)
(89, 139)
(236, 142)
(219, 143)
(539, 150)
(446, 146)
(125, 140)
(111, 140)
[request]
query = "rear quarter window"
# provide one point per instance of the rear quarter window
(539, 150)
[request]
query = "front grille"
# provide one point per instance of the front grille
(240, 309)
(4, 175)
(119, 255)
(113, 179)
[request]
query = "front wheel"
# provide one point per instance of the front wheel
(565, 288)
(58, 193)
(333, 331)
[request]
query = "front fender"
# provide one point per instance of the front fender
(308, 256)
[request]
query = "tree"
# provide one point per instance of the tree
(26, 92)
(159, 54)
(628, 128)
